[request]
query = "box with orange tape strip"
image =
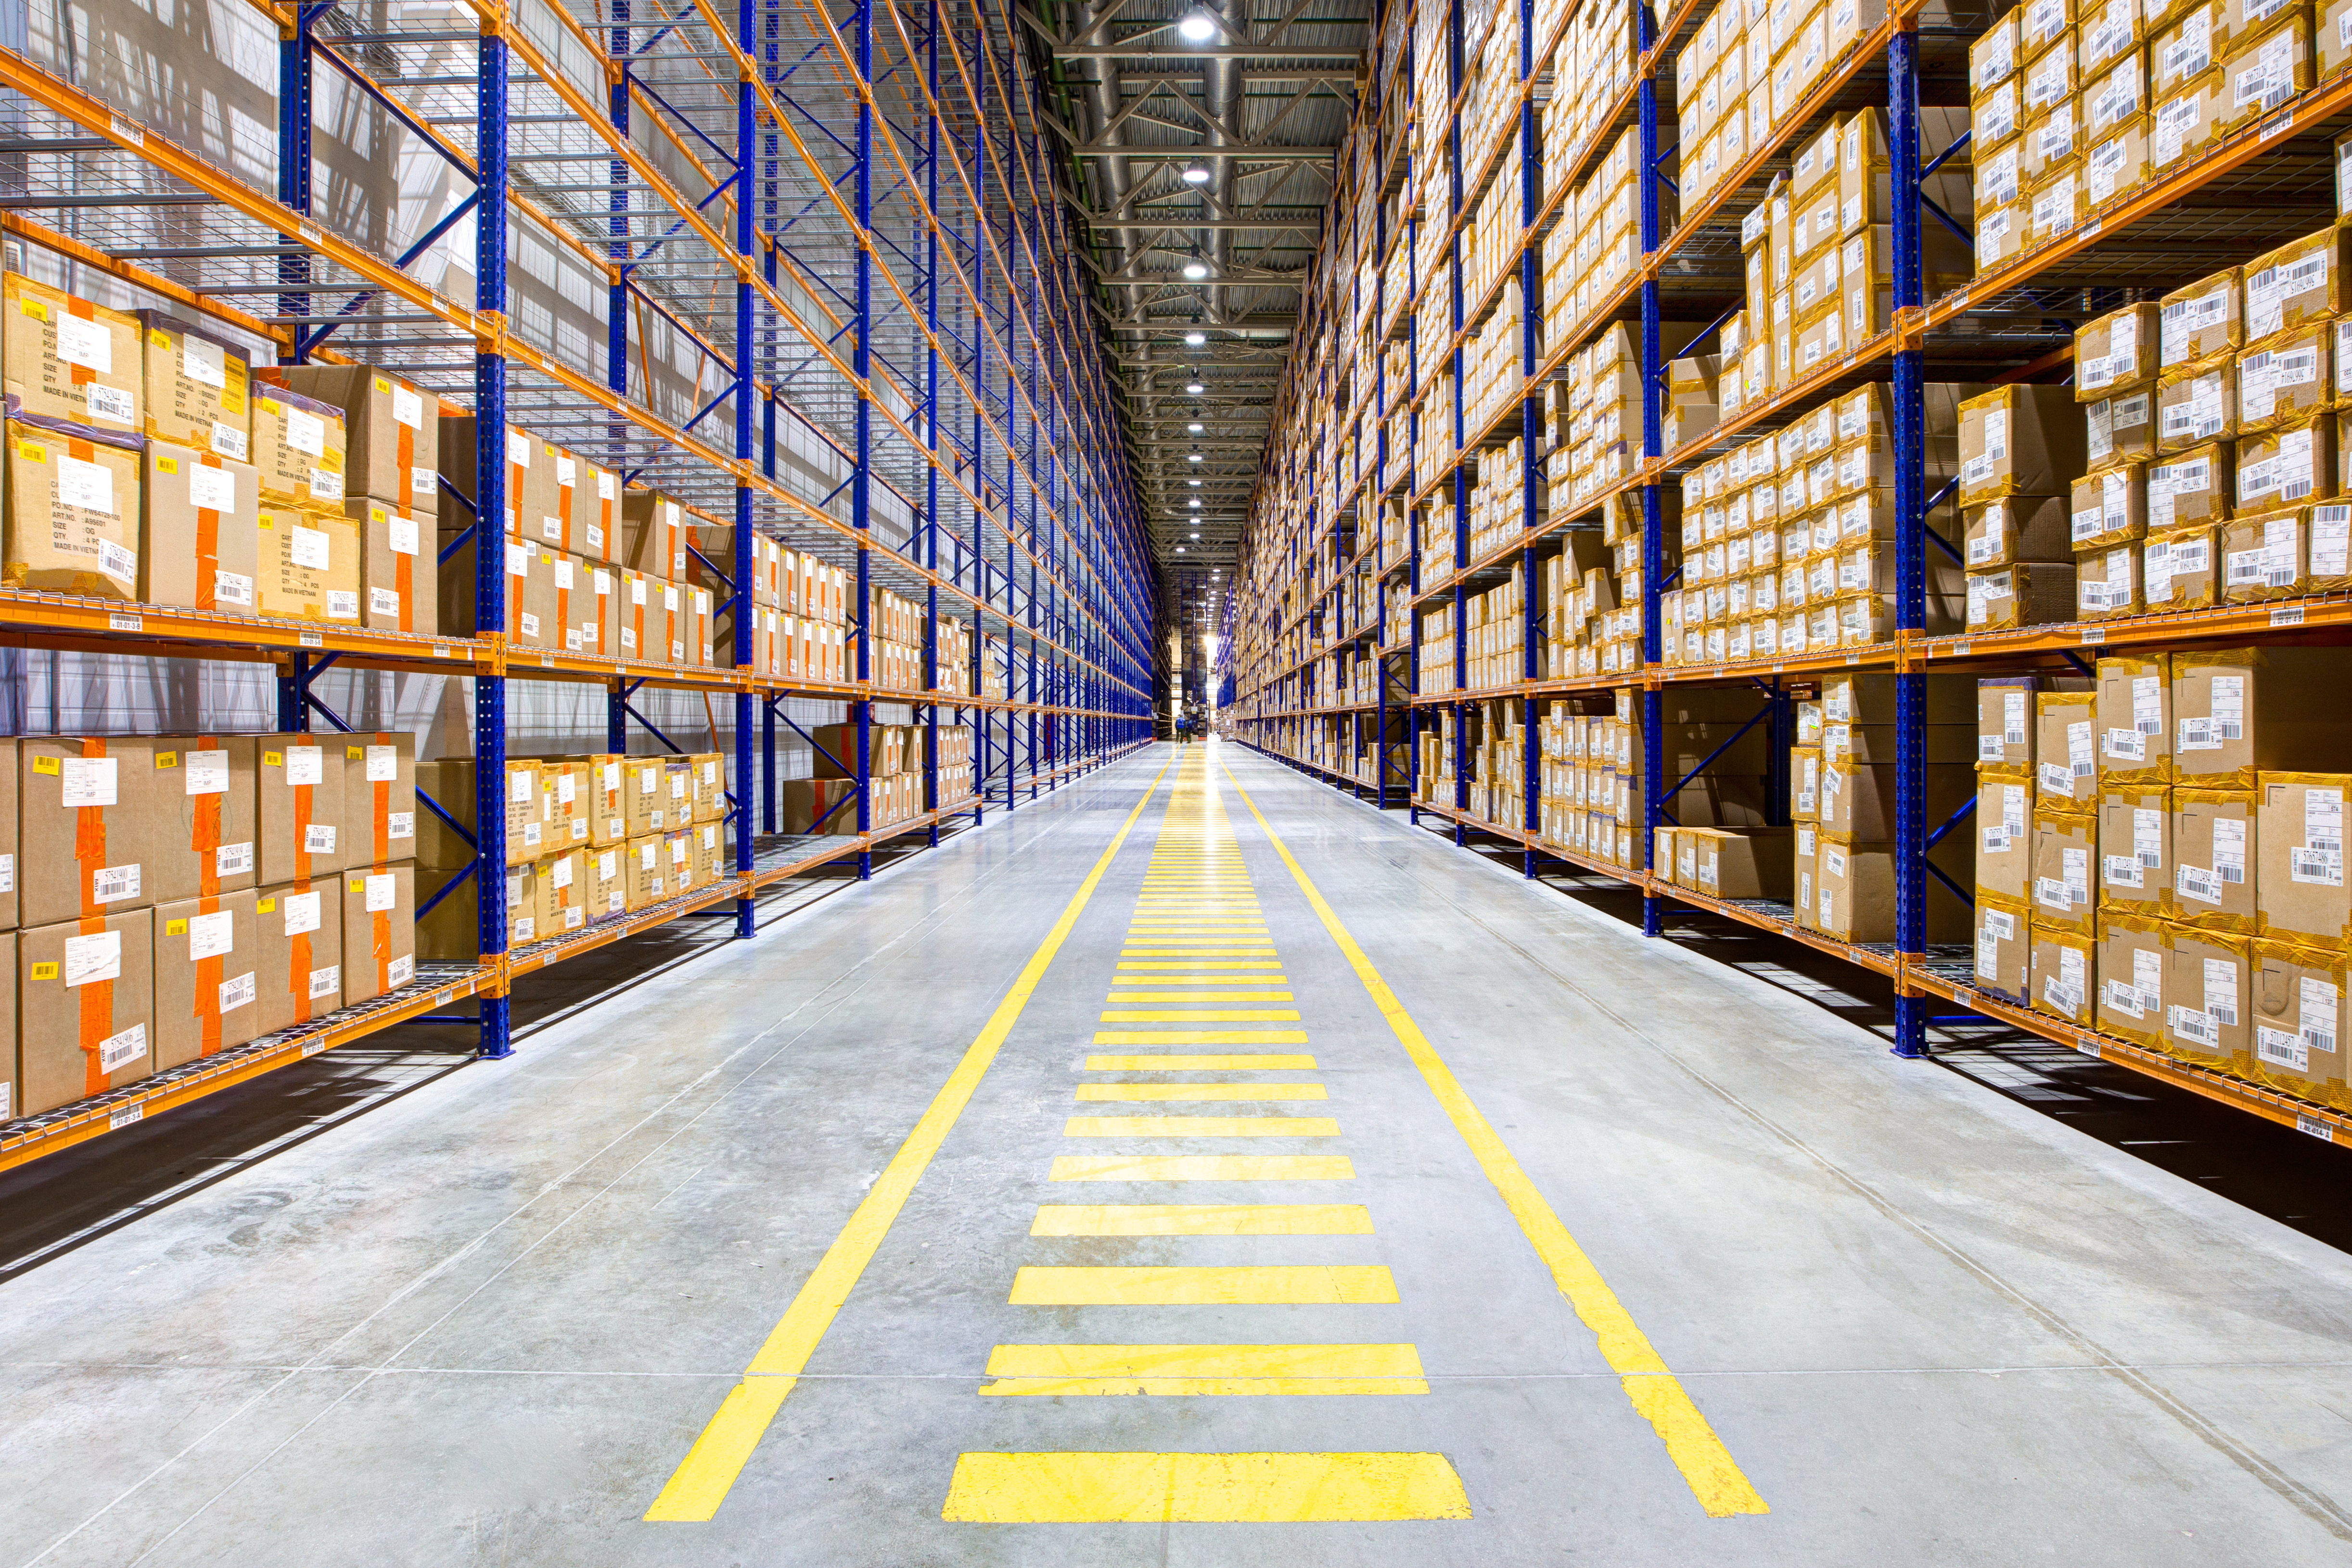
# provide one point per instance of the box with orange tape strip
(64, 357)
(86, 992)
(379, 930)
(379, 796)
(198, 387)
(73, 508)
(205, 794)
(299, 952)
(205, 982)
(391, 429)
(397, 583)
(309, 566)
(530, 477)
(204, 530)
(302, 831)
(94, 826)
(10, 1095)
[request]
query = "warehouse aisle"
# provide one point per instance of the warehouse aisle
(1147, 1179)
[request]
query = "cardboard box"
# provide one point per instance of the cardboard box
(10, 762)
(2134, 720)
(1871, 699)
(392, 430)
(2186, 46)
(309, 567)
(608, 882)
(2026, 593)
(2135, 851)
(2201, 321)
(85, 1001)
(2262, 73)
(645, 870)
(2116, 160)
(605, 802)
(529, 474)
(11, 1095)
(2005, 947)
(379, 930)
(709, 785)
(1854, 896)
(73, 507)
(203, 540)
(2107, 584)
(197, 387)
(653, 537)
(206, 952)
(2120, 429)
(2117, 352)
(450, 931)
(2190, 488)
(2286, 380)
(94, 829)
(2184, 124)
(205, 791)
(566, 803)
(819, 806)
(530, 811)
(2285, 465)
(645, 785)
(2237, 713)
(67, 359)
(2064, 974)
(2108, 508)
(564, 892)
(2005, 727)
(2212, 859)
(2066, 869)
(2296, 1002)
(2180, 569)
(2005, 836)
(397, 584)
(305, 799)
(528, 905)
(299, 448)
(2066, 753)
(592, 616)
(2132, 971)
(2208, 1013)
(2196, 403)
(298, 975)
(2299, 890)
(380, 804)
(1807, 867)
(1804, 783)
(1858, 799)
(677, 851)
(713, 859)
(2019, 440)
(456, 610)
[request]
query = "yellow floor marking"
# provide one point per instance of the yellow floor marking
(1176, 975)
(703, 1479)
(1202, 1219)
(1195, 948)
(1202, 1168)
(1202, 1488)
(1201, 1091)
(1714, 1476)
(1257, 964)
(1199, 1014)
(1204, 1370)
(1201, 1037)
(1200, 1064)
(1223, 1285)
(1220, 994)
(1200, 1127)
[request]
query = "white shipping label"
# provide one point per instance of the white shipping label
(2013, 718)
(2075, 866)
(318, 839)
(308, 547)
(2221, 991)
(84, 343)
(326, 485)
(232, 587)
(2121, 871)
(400, 824)
(89, 486)
(94, 958)
(2229, 849)
(113, 884)
(382, 764)
(233, 859)
(207, 772)
(116, 562)
(305, 432)
(231, 441)
(518, 449)
(305, 765)
(400, 971)
(117, 1051)
(301, 910)
(2196, 882)
(2057, 779)
(561, 876)
(610, 775)
(2319, 1001)
(2079, 758)
(401, 533)
(423, 481)
(327, 982)
(7, 873)
(407, 407)
(237, 993)
(1988, 953)
(383, 601)
(2128, 745)
(2147, 837)
(2323, 818)
(210, 936)
(2124, 998)
(380, 891)
(2148, 977)
(87, 780)
(567, 473)
(203, 362)
(2331, 531)
(212, 489)
(109, 402)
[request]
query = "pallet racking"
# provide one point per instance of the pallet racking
(1310, 542)
(842, 219)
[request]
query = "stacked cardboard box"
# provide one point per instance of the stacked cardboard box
(182, 895)
(2021, 450)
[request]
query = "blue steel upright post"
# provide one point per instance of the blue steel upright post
(1654, 522)
(616, 329)
(746, 121)
(861, 497)
(1459, 470)
(489, 527)
(1910, 543)
(1530, 438)
(931, 413)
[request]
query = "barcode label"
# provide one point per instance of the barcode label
(2287, 614)
(2316, 1128)
(125, 623)
(129, 1113)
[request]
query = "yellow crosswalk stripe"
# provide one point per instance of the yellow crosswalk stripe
(1201, 1037)
(1268, 1063)
(1202, 1168)
(1200, 1015)
(1204, 1370)
(1238, 964)
(1202, 1219)
(1200, 1127)
(1215, 1285)
(1220, 994)
(1201, 1091)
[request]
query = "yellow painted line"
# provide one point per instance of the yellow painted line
(1202, 1219)
(1268, 1063)
(1200, 1127)
(1197, 947)
(1201, 1091)
(1200, 1037)
(1714, 1476)
(1202, 1488)
(1220, 994)
(1200, 1015)
(703, 1479)
(1216, 1285)
(1204, 1370)
(1259, 965)
(1264, 974)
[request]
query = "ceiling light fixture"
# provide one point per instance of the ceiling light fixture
(1198, 27)
(1191, 458)
(1194, 483)
(1196, 270)
(1196, 175)
(1195, 340)
(1195, 428)
(1193, 387)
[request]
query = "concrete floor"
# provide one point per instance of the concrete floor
(484, 1320)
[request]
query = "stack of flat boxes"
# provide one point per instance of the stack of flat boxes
(1842, 797)
(1589, 778)
(2180, 885)
(172, 897)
